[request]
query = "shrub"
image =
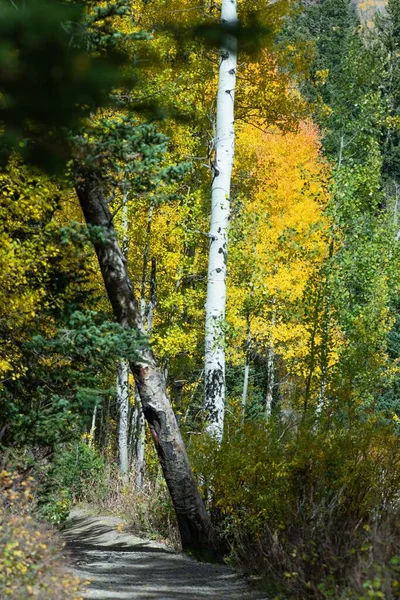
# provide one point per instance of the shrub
(148, 511)
(314, 510)
(32, 564)
(75, 470)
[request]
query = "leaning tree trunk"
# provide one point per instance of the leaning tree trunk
(224, 149)
(193, 520)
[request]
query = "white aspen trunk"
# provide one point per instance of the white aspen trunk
(139, 415)
(123, 400)
(246, 374)
(145, 263)
(224, 147)
(123, 368)
(93, 427)
(271, 381)
(324, 358)
(140, 446)
(153, 298)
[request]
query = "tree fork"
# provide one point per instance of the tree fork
(193, 520)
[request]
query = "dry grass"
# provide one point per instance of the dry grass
(148, 511)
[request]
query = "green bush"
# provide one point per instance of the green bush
(32, 564)
(313, 510)
(75, 471)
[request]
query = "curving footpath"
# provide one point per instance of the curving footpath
(121, 566)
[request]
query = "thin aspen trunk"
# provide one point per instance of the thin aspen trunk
(153, 297)
(269, 397)
(146, 262)
(140, 420)
(313, 345)
(325, 336)
(324, 358)
(123, 366)
(93, 427)
(193, 520)
(140, 446)
(101, 428)
(224, 148)
(123, 403)
(271, 381)
(132, 430)
(246, 373)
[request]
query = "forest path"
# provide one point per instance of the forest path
(122, 566)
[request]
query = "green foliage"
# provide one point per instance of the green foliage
(31, 555)
(148, 511)
(76, 468)
(53, 400)
(49, 81)
(305, 505)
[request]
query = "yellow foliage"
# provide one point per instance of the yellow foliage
(31, 561)
(282, 238)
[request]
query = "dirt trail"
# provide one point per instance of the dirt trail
(122, 566)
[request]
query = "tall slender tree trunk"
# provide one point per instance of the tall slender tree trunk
(269, 396)
(192, 517)
(140, 446)
(92, 432)
(123, 404)
(224, 150)
(325, 332)
(246, 372)
(123, 366)
(139, 416)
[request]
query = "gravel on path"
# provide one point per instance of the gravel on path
(121, 566)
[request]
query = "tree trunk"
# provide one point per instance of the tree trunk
(246, 373)
(139, 416)
(192, 517)
(270, 381)
(123, 405)
(139, 446)
(224, 148)
(92, 432)
(123, 366)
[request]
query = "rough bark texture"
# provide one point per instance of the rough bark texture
(139, 446)
(123, 366)
(246, 374)
(193, 519)
(93, 427)
(224, 147)
(269, 397)
(123, 405)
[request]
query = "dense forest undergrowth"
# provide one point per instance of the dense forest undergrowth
(199, 286)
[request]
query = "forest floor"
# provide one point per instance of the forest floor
(121, 566)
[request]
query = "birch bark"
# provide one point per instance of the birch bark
(271, 381)
(224, 148)
(123, 404)
(139, 416)
(123, 367)
(246, 373)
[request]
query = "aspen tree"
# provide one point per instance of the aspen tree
(224, 150)
(123, 368)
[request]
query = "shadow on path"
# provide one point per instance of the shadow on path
(122, 566)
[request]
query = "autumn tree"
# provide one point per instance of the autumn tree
(222, 164)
